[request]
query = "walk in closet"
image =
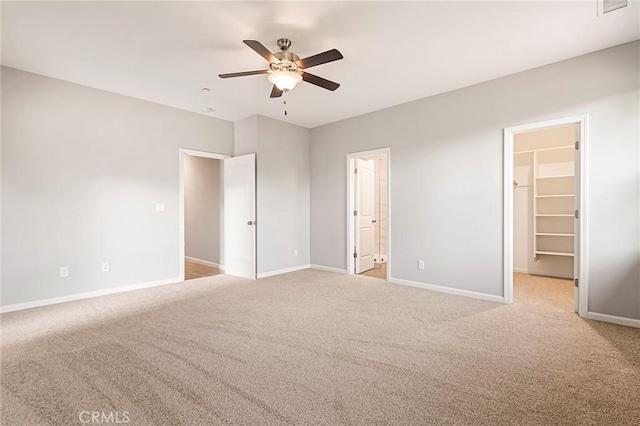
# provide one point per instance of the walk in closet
(544, 198)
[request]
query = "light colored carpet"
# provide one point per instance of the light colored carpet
(543, 291)
(314, 347)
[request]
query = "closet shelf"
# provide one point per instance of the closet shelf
(554, 253)
(554, 177)
(554, 196)
(552, 180)
(555, 148)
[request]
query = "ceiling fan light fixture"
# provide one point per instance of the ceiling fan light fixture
(286, 69)
(284, 80)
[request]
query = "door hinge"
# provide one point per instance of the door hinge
(355, 255)
(575, 282)
(576, 214)
(355, 212)
(355, 171)
(577, 144)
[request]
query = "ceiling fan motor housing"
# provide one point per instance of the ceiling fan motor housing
(287, 62)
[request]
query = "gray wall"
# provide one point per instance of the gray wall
(82, 170)
(202, 208)
(446, 176)
(245, 136)
(283, 199)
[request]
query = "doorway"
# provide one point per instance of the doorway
(203, 216)
(368, 213)
(217, 223)
(545, 214)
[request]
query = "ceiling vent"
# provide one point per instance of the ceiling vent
(607, 6)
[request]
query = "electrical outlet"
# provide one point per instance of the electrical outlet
(64, 271)
(420, 264)
(295, 252)
(105, 266)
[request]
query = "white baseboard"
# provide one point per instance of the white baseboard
(282, 271)
(88, 295)
(204, 262)
(541, 273)
(328, 269)
(449, 290)
(630, 322)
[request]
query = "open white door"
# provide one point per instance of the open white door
(364, 188)
(239, 216)
(576, 222)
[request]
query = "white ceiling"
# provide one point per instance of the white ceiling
(394, 52)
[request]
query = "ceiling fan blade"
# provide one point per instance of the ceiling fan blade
(319, 81)
(320, 58)
(242, 74)
(261, 50)
(275, 92)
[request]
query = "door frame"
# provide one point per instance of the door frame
(194, 153)
(509, 133)
(351, 206)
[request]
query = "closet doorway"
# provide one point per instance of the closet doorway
(544, 214)
(368, 213)
(202, 184)
(235, 212)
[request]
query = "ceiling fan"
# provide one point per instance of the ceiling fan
(286, 68)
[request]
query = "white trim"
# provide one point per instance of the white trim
(630, 322)
(448, 290)
(583, 303)
(87, 295)
(509, 133)
(205, 154)
(507, 217)
(282, 271)
(328, 269)
(350, 205)
(540, 272)
(204, 262)
(181, 153)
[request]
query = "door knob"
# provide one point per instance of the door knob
(251, 222)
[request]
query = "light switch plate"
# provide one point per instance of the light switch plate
(161, 207)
